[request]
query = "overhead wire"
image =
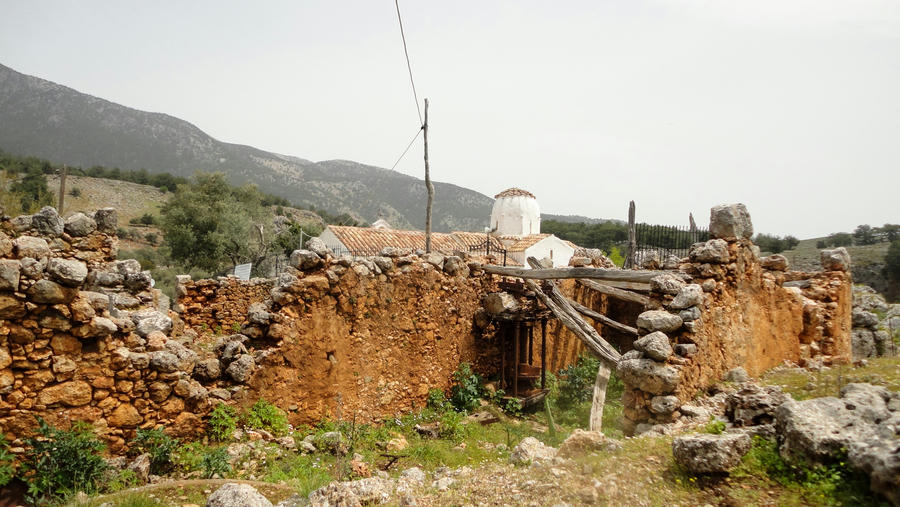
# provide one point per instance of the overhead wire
(407, 148)
(408, 66)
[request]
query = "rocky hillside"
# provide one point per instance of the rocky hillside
(47, 120)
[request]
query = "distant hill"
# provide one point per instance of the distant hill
(575, 219)
(51, 121)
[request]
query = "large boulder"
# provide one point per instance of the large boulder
(837, 259)
(710, 454)
(47, 222)
(713, 251)
(79, 224)
(659, 320)
(654, 345)
(30, 246)
(68, 272)
(47, 292)
(648, 375)
(318, 247)
(9, 274)
(582, 442)
(305, 260)
(775, 262)
(862, 343)
(688, 296)
(730, 221)
(498, 302)
(107, 220)
(237, 495)
(150, 320)
(369, 491)
(666, 283)
(820, 430)
(752, 405)
(531, 450)
(241, 369)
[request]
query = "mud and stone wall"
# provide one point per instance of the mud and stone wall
(219, 305)
(83, 336)
(724, 308)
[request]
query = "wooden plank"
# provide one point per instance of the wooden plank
(625, 275)
(623, 295)
(559, 305)
(587, 312)
(595, 423)
(636, 286)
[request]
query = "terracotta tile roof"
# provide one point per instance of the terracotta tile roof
(513, 192)
(526, 242)
(468, 239)
(369, 240)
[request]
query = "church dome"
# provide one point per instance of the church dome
(515, 213)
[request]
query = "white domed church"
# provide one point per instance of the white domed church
(516, 223)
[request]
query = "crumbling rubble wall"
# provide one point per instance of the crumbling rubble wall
(727, 308)
(220, 305)
(82, 336)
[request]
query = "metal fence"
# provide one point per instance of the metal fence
(666, 240)
(339, 251)
(487, 249)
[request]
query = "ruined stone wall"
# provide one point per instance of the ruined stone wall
(220, 305)
(725, 308)
(82, 336)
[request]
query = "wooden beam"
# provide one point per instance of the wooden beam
(587, 312)
(624, 275)
(636, 286)
(624, 295)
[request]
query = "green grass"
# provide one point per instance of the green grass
(805, 384)
(805, 256)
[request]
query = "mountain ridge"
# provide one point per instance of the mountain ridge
(63, 125)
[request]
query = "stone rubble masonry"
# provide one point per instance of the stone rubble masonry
(738, 311)
(81, 336)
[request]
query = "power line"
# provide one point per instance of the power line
(407, 149)
(408, 66)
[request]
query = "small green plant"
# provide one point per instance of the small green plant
(222, 422)
(123, 480)
(437, 401)
(75, 192)
(236, 327)
(466, 390)
(715, 426)
(266, 416)
(188, 456)
(453, 426)
(215, 462)
(512, 406)
(577, 384)
(160, 447)
(62, 462)
(7, 471)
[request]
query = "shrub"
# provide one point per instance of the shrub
(222, 422)
(467, 388)
(715, 426)
(266, 416)
(577, 385)
(125, 479)
(62, 462)
(160, 447)
(75, 192)
(821, 244)
(215, 461)
(453, 426)
(437, 401)
(7, 471)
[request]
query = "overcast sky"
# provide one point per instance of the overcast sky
(791, 107)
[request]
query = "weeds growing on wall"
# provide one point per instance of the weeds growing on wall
(59, 463)
(158, 445)
(222, 422)
(266, 416)
(466, 391)
(7, 471)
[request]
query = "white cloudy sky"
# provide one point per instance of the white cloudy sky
(791, 107)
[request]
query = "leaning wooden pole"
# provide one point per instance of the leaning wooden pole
(609, 357)
(428, 186)
(603, 319)
(617, 293)
(617, 275)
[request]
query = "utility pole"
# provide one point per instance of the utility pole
(62, 188)
(428, 185)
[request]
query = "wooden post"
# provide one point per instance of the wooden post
(504, 331)
(543, 353)
(632, 241)
(599, 398)
(516, 363)
(529, 331)
(428, 185)
(62, 188)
